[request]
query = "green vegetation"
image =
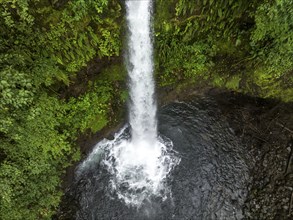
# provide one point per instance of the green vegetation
(245, 46)
(41, 49)
(49, 95)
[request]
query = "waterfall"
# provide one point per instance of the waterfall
(142, 110)
(139, 162)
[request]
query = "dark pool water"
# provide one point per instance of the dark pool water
(209, 183)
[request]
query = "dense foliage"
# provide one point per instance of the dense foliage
(47, 45)
(241, 45)
(42, 46)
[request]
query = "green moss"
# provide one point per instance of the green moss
(269, 85)
(163, 15)
(218, 81)
(115, 72)
(124, 95)
(233, 82)
(98, 122)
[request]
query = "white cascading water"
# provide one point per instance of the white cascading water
(139, 164)
(142, 112)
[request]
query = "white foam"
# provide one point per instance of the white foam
(140, 170)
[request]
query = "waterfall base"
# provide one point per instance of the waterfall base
(138, 169)
(210, 182)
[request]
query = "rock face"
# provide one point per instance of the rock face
(266, 127)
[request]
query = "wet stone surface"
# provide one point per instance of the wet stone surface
(266, 128)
